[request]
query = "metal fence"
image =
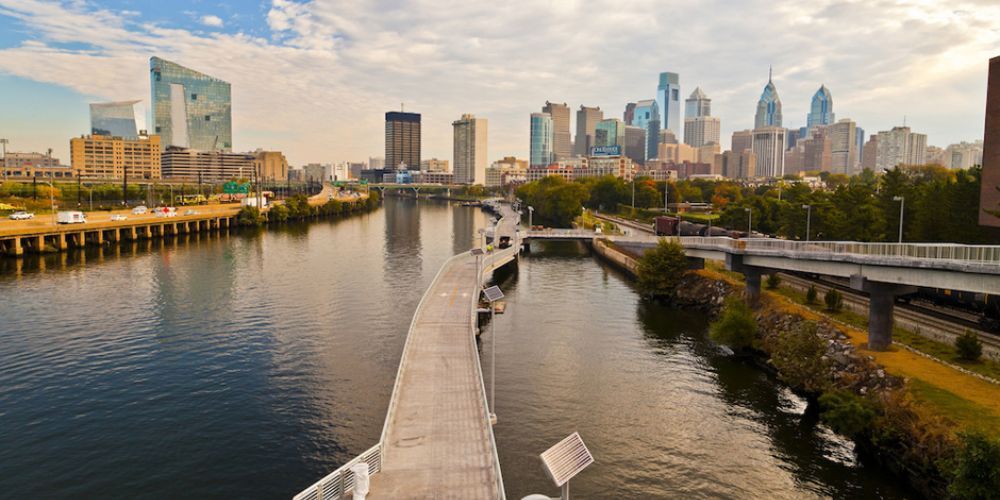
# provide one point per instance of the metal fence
(340, 482)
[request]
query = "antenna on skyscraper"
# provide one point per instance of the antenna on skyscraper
(401, 108)
(904, 120)
(770, 70)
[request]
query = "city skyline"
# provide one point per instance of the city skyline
(346, 73)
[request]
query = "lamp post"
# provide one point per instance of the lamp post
(749, 212)
(808, 219)
(493, 294)
(902, 203)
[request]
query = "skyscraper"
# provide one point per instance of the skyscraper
(697, 105)
(742, 139)
(402, 140)
(540, 151)
(190, 109)
(646, 115)
(700, 128)
(768, 112)
(635, 144)
(117, 119)
(586, 124)
(562, 145)
(769, 148)
(668, 97)
(899, 146)
(610, 132)
(859, 136)
(821, 110)
(843, 147)
(629, 115)
(470, 150)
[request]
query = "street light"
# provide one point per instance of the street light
(493, 294)
(749, 212)
(808, 219)
(902, 202)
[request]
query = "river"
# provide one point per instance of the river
(253, 364)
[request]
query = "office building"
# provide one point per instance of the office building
(769, 149)
(375, 163)
(900, 146)
(29, 160)
(434, 165)
(318, 172)
(697, 105)
(676, 153)
(701, 130)
(813, 153)
(821, 108)
(843, 147)
(111, 157)
(116, 118)
(742, 139)
(962, 155)
(402, 140)
(859, 136)
(354, 169)
(706, 153)
(668, 98)
(736, 164)
(470, 149)
(629, 113)
(635, 143)
(507, 171)
(667, 137)
(610, 132)
(586, 125)
(207, 166)
(562, 142)
(190, 109)
(768, 110)
(645, 114)
(989, 199)
(869, 154)
(271, 166)
(540, 147)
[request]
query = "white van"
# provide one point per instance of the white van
(165, 212)
(71, 217)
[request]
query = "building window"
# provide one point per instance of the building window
(157, 129)
(208, 118)
(194, 97)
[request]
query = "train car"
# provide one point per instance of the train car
(985, 307)
(686, 228)
(666, 226)
(717, 231)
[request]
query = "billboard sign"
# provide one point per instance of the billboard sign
(606, 151)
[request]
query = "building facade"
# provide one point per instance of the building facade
(697, 104)
(190, 109)
(900, 146)
(736, 164)
(110, 157)
(646, 115)
(963, 155)
(587, 119)
(434, 165)
(540, 149)
(769, 149)
(843, 147)
(701, 130)
(207, 166)
(562, 141)
(768, 108)
(742, 139)
(115, 118)
(989, 199)
(610, 132)
(821, 108)
(668, 98)
(470, 149)
(635, 143)
(29, 160)
(271, 166)
(402, 140)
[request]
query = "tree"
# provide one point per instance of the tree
(799, 354)
(834, 300)
(773, 280)
(811, 295)
(969, 347)
(847, 413)
(736, 327)
(556, 201)
(661, 269)
(975, 471)
(249, 216)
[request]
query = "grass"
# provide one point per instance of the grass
(962, 412)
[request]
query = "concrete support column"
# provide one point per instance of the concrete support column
(100, 237)
(752, 275)
(61, 242)
(39, 244)
(881, 305)
(16, 249)
(81, 239)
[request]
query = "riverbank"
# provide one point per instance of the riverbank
(906, 410)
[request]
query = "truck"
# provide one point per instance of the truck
(666, 226)
(71, 217)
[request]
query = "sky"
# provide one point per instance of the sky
(314, 78)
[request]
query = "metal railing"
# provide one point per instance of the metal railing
(340, 482)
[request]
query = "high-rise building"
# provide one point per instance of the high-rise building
(962, 155)
(113, 157)
(698, 104)
(668, 98)
(989, 197)
(402, 140)
(586, 125)
(900, 146)
(742, 139)
(470, 149)
(635, 143)
(271, 165)
(701, 130)
(562, 142)
(646, 115)
(629, 113)
(769, 148)
(610, 132)
(540, 150)
(768, 111)
(869, 154)
(736, 164)
(375, 163)
(859, 135)
(190, 109)
(706, 152)
(843, 147)
(821, 109)
(676, 153)
(117, 119)
(667, 137)
(318, 172)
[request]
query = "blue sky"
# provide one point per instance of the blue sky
(313, 78)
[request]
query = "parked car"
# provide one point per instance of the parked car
(191, 212)
(166, 212)
(71, 217)
(140, 210)
(22, 215)
(118, 217)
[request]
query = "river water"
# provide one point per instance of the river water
(251, 365)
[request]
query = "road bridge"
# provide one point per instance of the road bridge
(437, 441)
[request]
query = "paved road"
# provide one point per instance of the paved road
(103, 219)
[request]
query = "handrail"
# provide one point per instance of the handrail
(338, 483)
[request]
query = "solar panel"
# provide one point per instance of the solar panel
(493, 293)
(566, 459)
(476, 251)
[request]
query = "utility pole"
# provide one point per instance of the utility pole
(79, 201)
(808, 219)
(749, 212)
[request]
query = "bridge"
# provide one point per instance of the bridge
(437, 441)
(883, 270)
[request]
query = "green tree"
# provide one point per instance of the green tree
(249, 216)
(847, 413)
(773, 280)
(736, 327)
(556, 201)
(969, 347)
(277, 213)
(799, 354)
(975, 471)
(661, 268)
(811, 295)
(834, 300)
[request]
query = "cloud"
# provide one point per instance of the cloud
(213, 21)
(316, 85)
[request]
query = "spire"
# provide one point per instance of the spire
(769, 70)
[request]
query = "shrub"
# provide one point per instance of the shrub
(847, 413)
(975, 471)
(661, 268)
(249, 216)
(969, 347)
(773, 280)
(834, 300)
(798, 354)
(277, 213)
(811, 295)
(736, 327)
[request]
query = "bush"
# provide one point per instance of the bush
(847, 413)
(660, 269)
(249, 216)
(975, 471)
(798, 354)
(969, 347)
(773, 280)
(736, 327)
(811, 295)
(834, 300)
(277, 213)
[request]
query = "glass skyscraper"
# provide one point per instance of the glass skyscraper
(541, 154)
(190, 109)
(610, 132)
(768, 107)
(821, 110)
(668, 98)
(116, 119)
(646, 115)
